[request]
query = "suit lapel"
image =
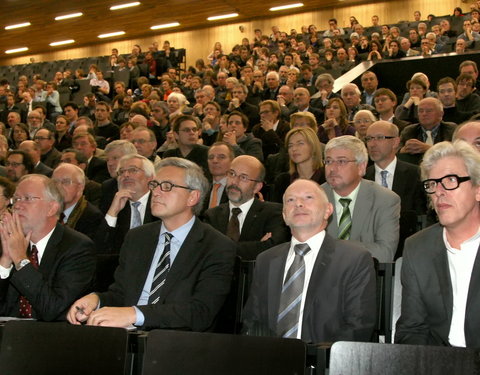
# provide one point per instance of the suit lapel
(275, 282)
(440, 263)
(322, 262)
(249, 221)
(51, 250)
(223, 217)
(332, 228)
(362, 209)
(399, 180)
(473, 298)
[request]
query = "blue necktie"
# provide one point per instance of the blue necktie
(384, 178)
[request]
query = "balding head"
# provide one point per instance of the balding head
(469, 132)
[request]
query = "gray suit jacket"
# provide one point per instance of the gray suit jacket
(427, 297)
(375, 220)
(340, 301)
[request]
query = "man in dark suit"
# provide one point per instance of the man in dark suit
(96, 168)
(258, 225)
(45, 139)
(418, 138)
(369, 84)
(239, 103)
(365, 212)
(220, 156)
(78, 213)
(44, 266)
(33, 149)
(401, 177)
(441, 264)
(194, 262)
(301, 99)
(385, 101)
(131, 205)
(338, 300)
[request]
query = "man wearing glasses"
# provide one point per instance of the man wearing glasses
(172, 274)
(186, 129)
(44, 265)
(254, 225)
(18, 164)
(440, 272)
(364, 212)
(402, 178)
(131, 205)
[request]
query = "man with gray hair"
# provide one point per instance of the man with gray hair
(351, 96)
(183, 273)
(131, 205)
(416, 139)
(440, 273)
(78, 213)
(54, 264)
(364, 211)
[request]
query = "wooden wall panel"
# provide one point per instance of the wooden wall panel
(199, 43)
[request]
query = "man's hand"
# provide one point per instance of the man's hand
(266, 236)
(119, 201)
(113, 317)
(82, 308)
(267, 125)
(414, 146)
(230, 138)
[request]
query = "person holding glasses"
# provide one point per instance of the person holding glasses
(131, 205)
(254, 225)
(364, 212)
(174, 273)
(440, 272)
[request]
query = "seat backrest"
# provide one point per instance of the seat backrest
(193, 353)
(30, 347)
(358, 358)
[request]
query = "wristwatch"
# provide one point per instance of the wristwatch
(22, 264)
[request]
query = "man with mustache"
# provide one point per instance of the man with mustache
(364, 212)
(253, 224)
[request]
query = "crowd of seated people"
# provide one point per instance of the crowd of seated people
(255, 120)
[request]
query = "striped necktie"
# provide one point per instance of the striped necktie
(384, 174)
(345, 223)
(161, 271)
(292, 293)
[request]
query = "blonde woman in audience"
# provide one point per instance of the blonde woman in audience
(305, 160)
(336, 121)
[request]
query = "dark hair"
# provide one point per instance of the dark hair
(244, 118)
(26, 161)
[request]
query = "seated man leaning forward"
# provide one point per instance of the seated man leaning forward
(441, 264)
(315, 287)
(174, 273)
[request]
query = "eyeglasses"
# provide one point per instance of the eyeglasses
(12, 164)
(189, 130)
(130, 170)
(41, 138)
(449, 182)
(243, 177)
(64, 181)
(339, 162)
(377, 138)
(25, 199)
(165, 185)
(363, 121)
(140, 141)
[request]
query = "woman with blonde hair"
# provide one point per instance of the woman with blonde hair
(305, 154)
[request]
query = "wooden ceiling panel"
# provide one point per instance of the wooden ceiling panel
(136, 21)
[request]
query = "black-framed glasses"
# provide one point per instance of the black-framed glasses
(165, 185)
(369, 138)
(449, 182)
(242, 177)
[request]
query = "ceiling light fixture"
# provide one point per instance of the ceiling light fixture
(126, 5)
(165, 26)
(21, 49)
(62, 42)
(288, 6)
(116, 33)
(223, 16)
(18, 25)
(68, 16)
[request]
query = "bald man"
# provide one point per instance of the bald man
(469, 132)
(253, 224)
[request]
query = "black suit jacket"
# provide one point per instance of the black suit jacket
(317, 112)
(65, 274)
(52, 158)
(97, 170)
(262, 218)
(427, 296)
(113, 236)
(195, 287)
(340, 300)
(89, 223)
(272, 140)
(109, 189)
(41, 168)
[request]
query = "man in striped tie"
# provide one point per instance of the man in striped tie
(174, 273)
(315, 288)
